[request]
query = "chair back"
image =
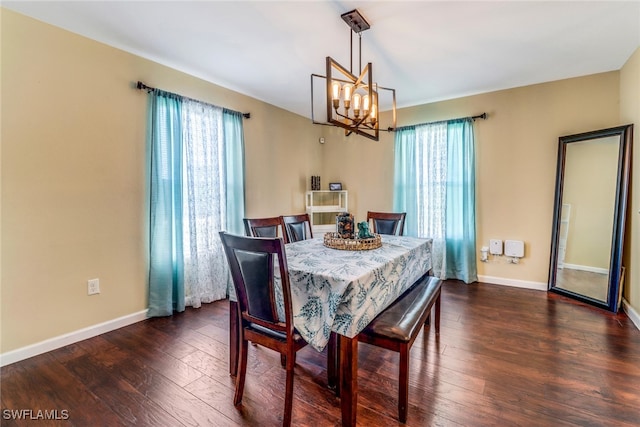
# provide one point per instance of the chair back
(297, 227)
(264, 227)
(251, 261)
(387, 222)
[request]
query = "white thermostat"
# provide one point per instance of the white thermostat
(495, 247)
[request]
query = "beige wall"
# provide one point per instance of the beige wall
(630, 113)
(73, 170)
(73, 175)
(516, 161)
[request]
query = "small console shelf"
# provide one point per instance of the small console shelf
(323, 206)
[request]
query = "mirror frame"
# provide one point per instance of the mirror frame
(625, 133)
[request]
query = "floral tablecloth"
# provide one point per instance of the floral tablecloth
(344, 290)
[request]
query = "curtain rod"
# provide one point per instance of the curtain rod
(482, 116)
(142, 86)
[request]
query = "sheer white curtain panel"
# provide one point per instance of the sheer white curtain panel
(204, 207)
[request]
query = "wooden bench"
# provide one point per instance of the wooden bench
(397, 327)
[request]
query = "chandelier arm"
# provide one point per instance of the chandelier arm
(362, 121)
(363, 73)
(335, 79)
(356, 122)
(343, 70)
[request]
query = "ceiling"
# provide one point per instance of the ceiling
(426, 50)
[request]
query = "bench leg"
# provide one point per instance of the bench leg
(403, 385)
(438, 314)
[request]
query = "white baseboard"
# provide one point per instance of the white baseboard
(590, 269)
(633, 315)
(70, 338)
(540, 286)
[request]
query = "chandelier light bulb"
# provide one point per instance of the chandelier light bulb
(374, 112)
(335, 89)
(356, 104)
(347, 90)
(365, 104)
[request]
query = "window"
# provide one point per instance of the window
(434, 183)
(197, 190)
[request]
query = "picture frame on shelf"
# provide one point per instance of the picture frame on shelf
(335, 186)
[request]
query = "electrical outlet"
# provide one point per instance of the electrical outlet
(484, 254)
(93, 286)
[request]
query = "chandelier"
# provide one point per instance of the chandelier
(353, 100)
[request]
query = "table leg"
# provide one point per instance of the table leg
(348, 379)
(234, 332)
(333, 363)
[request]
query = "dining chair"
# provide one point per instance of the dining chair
(263, 227)
(251, 261)
(297, 227)
(387, 222)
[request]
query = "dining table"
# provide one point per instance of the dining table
(336, 293)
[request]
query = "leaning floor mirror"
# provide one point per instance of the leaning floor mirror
(589, 216)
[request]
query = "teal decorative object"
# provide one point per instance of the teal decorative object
(363, 230)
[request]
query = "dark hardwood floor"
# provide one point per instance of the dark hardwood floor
(505, 357)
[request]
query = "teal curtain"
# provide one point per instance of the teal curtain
(196, 189)
(234, 153)
(405, 194)
(434, 183)
(460, 232)
(166, 266)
